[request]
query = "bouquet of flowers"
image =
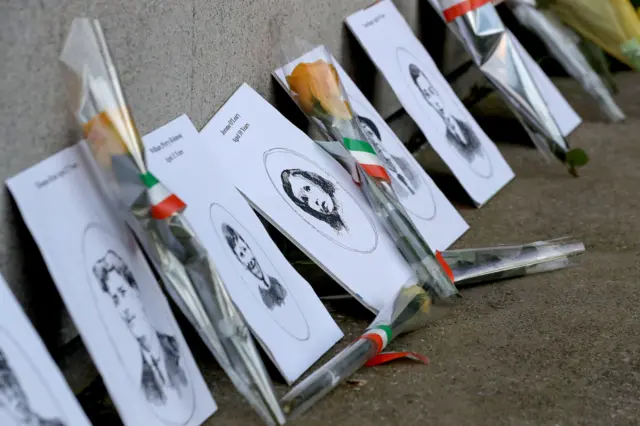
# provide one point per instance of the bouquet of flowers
(493, 49)
(311, 80)
(611, 24)
(563, 43)
(155, 215)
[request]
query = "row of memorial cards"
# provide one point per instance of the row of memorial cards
(248, 158)
(429, 100)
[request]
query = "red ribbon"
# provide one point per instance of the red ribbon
(459, 9)
(445, 266)
(386, 357)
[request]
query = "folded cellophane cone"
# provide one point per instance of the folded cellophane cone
(490, 264)
(469, 266)
(563, 43)
(316, 88)
(486, 264)
(493, 49)
(314, 84)
(411, 309)
(155, 215)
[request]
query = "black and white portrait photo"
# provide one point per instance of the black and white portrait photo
(15, 404)
(314, 195)
(459, 134)
(272, 292)
(159, 352)
(150, 353)
(25, 396)
(406, 175)
(322, 202)
(258, 274)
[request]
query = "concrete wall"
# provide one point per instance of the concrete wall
(174, 57)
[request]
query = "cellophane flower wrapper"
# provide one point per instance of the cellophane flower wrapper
(155, 215)
(563, 43)
(317, 90)
(611, 24)
(478, 265)
(315, 86)
(469, 266)
(411, 309)
(490, 264)
(478, 26)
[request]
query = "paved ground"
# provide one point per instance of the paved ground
(553, 349)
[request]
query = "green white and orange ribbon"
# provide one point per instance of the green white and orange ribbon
(366, 156)
(164, 203)
(380, 336)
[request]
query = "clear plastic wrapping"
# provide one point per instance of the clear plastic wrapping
(493, 49)
(313, 83)
(155, 215)
(477, 265)
(563, 44)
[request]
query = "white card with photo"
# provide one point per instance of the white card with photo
(438, 221)
(562, 112)
(111, 294)
(33, 390)
(281, 308)
(429, 100)
(307, 195)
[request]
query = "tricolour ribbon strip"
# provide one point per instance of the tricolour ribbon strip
(163, 202)
(366, 156)
(381, 335)
(452, 9)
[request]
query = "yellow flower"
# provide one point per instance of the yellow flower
(317, 84)
(611, 24)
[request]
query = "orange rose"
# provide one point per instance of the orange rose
(104, 138)
(317, 84)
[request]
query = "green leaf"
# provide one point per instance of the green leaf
(575, 158)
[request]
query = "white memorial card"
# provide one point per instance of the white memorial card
(307, 195)
(562, 112)
(429, 100)
(281, 308)
(438, 221)
(32, 388)
(111, 294)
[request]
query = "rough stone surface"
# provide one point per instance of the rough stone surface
(174, 57)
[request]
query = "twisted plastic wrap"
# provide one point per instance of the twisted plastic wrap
(155, 215)
(494, 51)
(479, 265)
(562, 42)
(315, 86)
